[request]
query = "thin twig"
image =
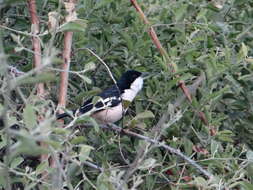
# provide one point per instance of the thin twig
(90, 164)
(159, 144)
(23, 33)
(101, 60)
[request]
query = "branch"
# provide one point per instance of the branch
(101, 60)
(23, 33)
(70, 7)
(163, 52)
(36, 42)
(153, 35)
(160, 144)
(37, 54)
(64, 76)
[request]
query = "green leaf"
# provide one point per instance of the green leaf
(244, 50)
(244, 185)
(89, 119)
(78, 140)
(85, 152)
(140, 116)
(90, 66)
(104, 183)
(102, 3)
(225, 136)
(214, 147)
(144, 115)
(1, 108)
(147, 164)
(95, 124)
(249, 155)
(200, 181)
(128, 40)
(78, 25)
(188, 146)
(216, 95)
(180, 12)
(235, 85)
(149, 92)
(85, 79)
(15, 162)
(26, 144)
(3, 142)
(29, 116)
(2, 177)
(248, 77)
(42, 167)
(79, 98)
(73, 170)
(60, 131)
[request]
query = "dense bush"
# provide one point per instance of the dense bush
(203, 38)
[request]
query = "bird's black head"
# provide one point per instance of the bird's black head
(127, 79)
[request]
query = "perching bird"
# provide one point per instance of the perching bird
(110, 105)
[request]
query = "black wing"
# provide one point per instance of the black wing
(109, 98)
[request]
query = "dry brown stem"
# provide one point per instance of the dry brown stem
(62, 99)
(35, 29)
(163, 52)
(64, 76)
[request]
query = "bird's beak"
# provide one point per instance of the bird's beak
(145, 75)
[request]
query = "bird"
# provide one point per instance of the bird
(111, 104)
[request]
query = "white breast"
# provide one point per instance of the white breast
(109, 115)
(136, 86)
(113, 114)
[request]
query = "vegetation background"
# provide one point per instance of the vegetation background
(209, 40)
